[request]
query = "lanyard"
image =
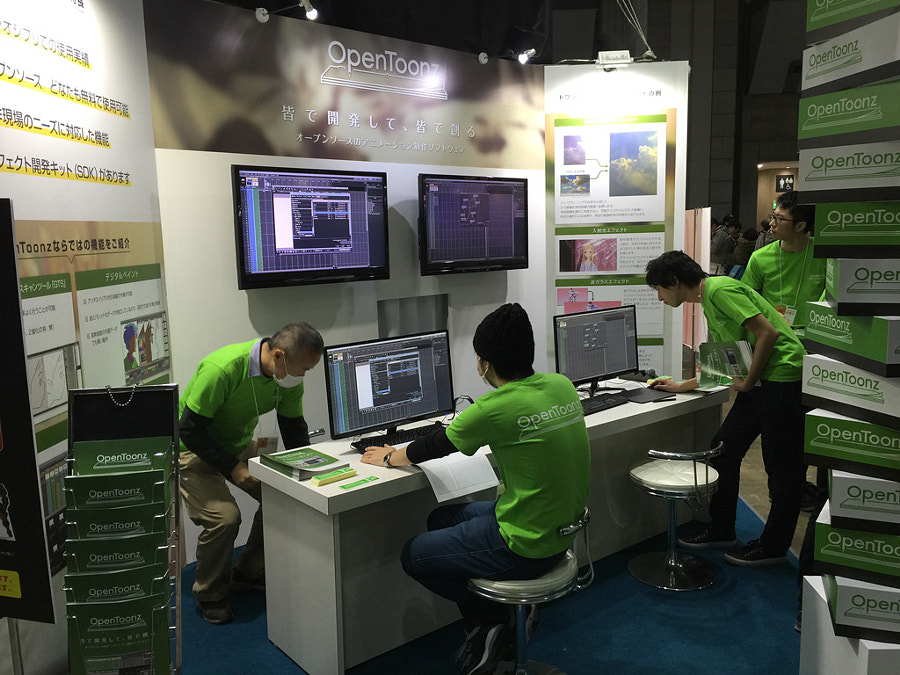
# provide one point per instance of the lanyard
(781, 275)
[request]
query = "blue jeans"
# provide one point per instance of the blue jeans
(772, 410)
(463, 541)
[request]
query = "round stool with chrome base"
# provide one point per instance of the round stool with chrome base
(675, 476)
(559, 581)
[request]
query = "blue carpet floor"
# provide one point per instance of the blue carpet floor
(742, 625)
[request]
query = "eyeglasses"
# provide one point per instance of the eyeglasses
(779, 219)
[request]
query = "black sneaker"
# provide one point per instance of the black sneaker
(215, 611)
(241, 583)
(484, 649)
(754, 554)
(707, 538)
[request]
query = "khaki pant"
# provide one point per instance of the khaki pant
(210, 504)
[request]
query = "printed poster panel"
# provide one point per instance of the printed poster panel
(616, 184)
(123, 324)
(610, 172)
(290, 88)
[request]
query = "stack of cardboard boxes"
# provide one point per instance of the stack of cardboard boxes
(849, 140)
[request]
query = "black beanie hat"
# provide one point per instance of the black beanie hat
(505, 338)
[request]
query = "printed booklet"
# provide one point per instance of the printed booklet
(721, 362)
(301, 463)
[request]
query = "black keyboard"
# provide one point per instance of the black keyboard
(603, 402)
(399, 436)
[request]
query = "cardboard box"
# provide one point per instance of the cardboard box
(867, 556)
(864, 503)
(863, 287)
(839, 442)
(851, 391)
(858, 229)
(868, 342)
(863, 610)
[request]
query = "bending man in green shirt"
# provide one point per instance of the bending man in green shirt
(767, 405)
(219, 413)
(534, 425)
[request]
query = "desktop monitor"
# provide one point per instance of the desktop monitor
(472, 224)
(596, 345)
(308, 226)
(380, 384)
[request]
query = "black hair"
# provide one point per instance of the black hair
(673, 267)
(750, 233)
(298, 338)
(505, 339)
(800, 213)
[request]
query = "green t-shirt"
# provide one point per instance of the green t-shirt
(787, 280)
(535, 429)
(230, 388)
(728, 303)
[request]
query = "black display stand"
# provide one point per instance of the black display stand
(120, 414)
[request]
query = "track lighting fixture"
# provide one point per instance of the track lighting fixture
(262, 14)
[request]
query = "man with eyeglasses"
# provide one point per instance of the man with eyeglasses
(785, 272)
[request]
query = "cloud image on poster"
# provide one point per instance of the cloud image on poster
(575, 185)
(633, 167)
(573, 150)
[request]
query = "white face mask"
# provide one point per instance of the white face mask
(484, 379)
(288, 381)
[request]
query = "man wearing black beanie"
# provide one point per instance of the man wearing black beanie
(534, 425)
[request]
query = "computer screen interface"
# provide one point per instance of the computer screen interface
(381, 384)
(596, 345)
(297, 226)
(469, 224)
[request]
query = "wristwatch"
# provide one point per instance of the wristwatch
(386, 460)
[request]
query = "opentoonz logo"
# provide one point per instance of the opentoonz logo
(385, 71)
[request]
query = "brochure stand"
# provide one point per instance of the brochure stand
(123, 554)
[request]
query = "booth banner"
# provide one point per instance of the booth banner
(856, 52)
(615, 185)
(849, 167)
(77, 160)
(24, 569)
(225, 82)
(822, 13)
(874, 109)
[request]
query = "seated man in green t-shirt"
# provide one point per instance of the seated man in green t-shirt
(534, 425)
(218, 416)
(767, 405)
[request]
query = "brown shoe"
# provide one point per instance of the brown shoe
(215, 611)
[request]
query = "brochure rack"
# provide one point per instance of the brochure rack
(123, 555)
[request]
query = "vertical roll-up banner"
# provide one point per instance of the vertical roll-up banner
(24, 567)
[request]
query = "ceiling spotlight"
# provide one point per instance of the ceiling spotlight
(311, 13)
(526, 55)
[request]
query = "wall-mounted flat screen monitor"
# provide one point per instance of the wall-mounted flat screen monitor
(472, 224)
(309, 226)
(596, 345)
(381, 384)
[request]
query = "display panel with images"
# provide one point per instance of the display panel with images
(596, 345)
(381, 384)
(305, 226)
(472, 223)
